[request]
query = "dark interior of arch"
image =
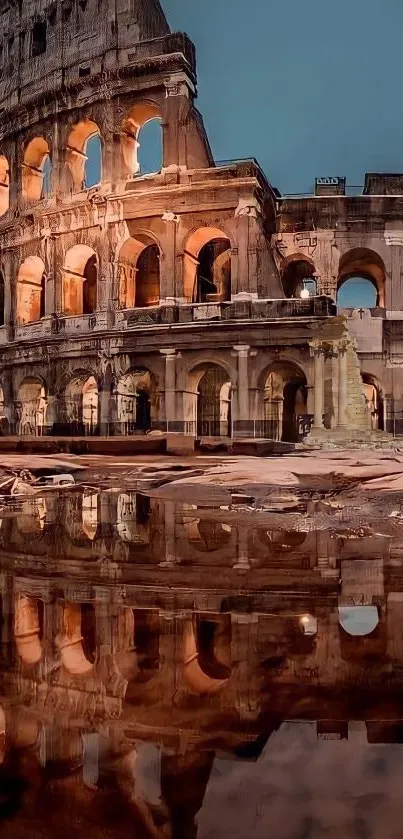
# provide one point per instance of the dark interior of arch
(90, 286)
(214, 271)
(39, 33)
(297, 274)
(148, 277)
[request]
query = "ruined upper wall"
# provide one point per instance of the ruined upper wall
(48, 44)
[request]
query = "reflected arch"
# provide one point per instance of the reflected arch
(206, 653)
(76, 641)
(361, 280)
(207, 266)
(358, 621)
(28, 629)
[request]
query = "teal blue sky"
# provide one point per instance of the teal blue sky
(310, 88)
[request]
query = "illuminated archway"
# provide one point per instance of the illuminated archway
(361, 281)
(84, 154)
(298, 277)
(80, 281)
(4, 185)
(285, 401)
(36, 170)
(31, 407)
(141, 139)
(31, 290)
(28, 628)
(139, 273)
(207, 266)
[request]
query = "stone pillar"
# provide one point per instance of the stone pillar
(170, 535)
(168, 260)
(342, 418)
(170, 386)
(242, 418)
(319, 379)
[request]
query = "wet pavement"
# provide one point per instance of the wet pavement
(193, 650)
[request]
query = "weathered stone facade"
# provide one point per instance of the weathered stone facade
(171, 299)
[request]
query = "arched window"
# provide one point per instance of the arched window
(80, 280)
(207, 266)
(93, 163)
(31, 290)
(4, 185)
(298, 278)
(39, 38)
(142, 140)
(37, 170)
(361, 281)
(357, 293)
(139, 273)
(358, 620)
(84, 155)
(150, 147)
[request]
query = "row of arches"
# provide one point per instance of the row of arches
(141, 141)
(207, 276)
(360, 282)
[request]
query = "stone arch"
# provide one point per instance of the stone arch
(71, 641)
(139, 272)
(207, 266)
(374, 399)
(298, 276)
(203, 671)
(81, 404)
(28, 629)
(208, 400)
(133, 518)
(4, 185)
(31, 290)
(84, 154)
(136, 119)
(283, 386)
(207, 535)
(31, 407)
(80, 281)
(136, 401)
(36, 170)
(361, 280)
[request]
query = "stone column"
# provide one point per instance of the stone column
(242, 351)
(342, 421)
(170, 386)
(168, 260)
(319, 379)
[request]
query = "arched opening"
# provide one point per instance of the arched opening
(84, 155)
(89, 514)
(358, 620)
(31, 408)
(28, 629)
(138, 655)
(2, 300)
(299, 277)
(80, 281)
(207, 266)
(285, 402)
(361, 281)
(133, 518)
(4, 185)
(81, 405)
(209, 401)
(31, 290)
(142, 140)
(39, 33)
(207, 536)
(134, 402)
(139, 273)
(76, 641)
(37, 170)
(207, 642)
(374, 402)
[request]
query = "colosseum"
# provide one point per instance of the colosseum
(146, 288)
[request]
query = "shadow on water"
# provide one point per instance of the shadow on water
(173, 670)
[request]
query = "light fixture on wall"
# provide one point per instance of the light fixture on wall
(304, 294)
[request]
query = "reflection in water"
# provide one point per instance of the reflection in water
(174, 671)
